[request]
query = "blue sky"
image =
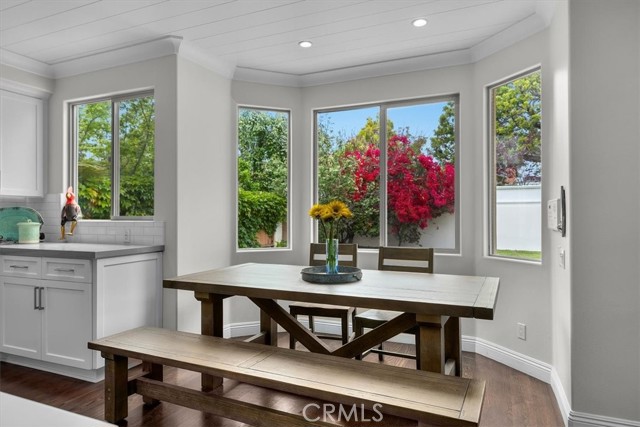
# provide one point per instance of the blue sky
(420, 119)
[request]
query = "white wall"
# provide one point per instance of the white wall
(604, 150)
(524, 286)
(556, 175)
(204, 194)
(160, 75)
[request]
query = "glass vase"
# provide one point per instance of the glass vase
(332, 256)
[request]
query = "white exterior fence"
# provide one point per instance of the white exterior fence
(518, 217)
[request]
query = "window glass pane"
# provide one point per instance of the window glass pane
(263, 176)
(93, 136)
(421, 175)
(136, 126)
(348, 161)
(516, 115)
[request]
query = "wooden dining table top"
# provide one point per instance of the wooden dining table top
(433, 294)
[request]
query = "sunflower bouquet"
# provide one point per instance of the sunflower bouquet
(329, 216)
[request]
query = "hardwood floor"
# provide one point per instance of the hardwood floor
(512, 398)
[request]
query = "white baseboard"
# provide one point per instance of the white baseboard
(581, 419)
(512, 359)
(90, 375)
(561, 396)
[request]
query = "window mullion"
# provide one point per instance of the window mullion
(383, 175)
(115, 159)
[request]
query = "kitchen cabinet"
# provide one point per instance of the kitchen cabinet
(21, 145)
(45, 319)
(51, 307)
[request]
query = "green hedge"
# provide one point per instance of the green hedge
(258, 210)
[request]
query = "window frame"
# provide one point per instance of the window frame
(383, 107)
(115, 148)
(289, 229)
(492, 233)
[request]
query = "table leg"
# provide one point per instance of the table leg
(116, 388)
(453, 343)
(430, 354)
(210, 324)
(270, 329)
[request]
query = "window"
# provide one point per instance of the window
(263, 178)
(113, 150)
(516, 167)
(400, 188)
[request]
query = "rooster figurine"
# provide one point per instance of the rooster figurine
(70, 212)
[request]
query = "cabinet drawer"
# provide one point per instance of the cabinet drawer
(21, 266)
(71, 270)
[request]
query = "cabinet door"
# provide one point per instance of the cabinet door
(67, 323)
(20, 319)
(21, 145)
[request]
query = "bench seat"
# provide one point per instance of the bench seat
(430, 398)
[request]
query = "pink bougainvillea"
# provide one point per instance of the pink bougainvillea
(418, 188)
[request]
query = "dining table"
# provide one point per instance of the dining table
(431, 305)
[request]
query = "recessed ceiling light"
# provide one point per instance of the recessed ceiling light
(305, 43)
(420, 22)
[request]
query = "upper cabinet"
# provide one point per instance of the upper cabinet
(21, 145)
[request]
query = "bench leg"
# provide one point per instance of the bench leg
(115, 388)
(210, 324)
(155, 372)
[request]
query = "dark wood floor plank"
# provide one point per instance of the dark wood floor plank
(512, 398)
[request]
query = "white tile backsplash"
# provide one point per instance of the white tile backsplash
(89, 231)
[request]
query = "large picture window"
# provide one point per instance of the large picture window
(263, 178)
(113, 151)
(401, 188)
(516, 167)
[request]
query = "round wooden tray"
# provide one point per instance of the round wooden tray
(319, 275)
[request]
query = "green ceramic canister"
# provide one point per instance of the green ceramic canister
(28, 232)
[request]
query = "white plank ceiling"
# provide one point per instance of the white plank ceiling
(261, 34)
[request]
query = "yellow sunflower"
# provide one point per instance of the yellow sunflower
(316, 211)
(339, 210)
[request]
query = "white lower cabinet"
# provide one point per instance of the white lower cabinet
(47, 320)
(51, 307)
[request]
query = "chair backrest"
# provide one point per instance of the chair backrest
(347, 254)
(415, 260)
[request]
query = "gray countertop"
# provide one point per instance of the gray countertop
(77, 250)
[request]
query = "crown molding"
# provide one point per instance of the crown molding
(95, 61)
(25, 64)
(211, 63)
(173, 45)
(138, 52)
(515, 33)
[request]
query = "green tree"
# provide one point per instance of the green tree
(518, 130)
(263, 138)
(262, 151)
(137, 139)
(443, 141)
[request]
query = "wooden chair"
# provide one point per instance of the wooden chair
(416, 260)
(324, 310)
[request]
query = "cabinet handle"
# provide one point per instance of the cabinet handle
(35, 299)
(19, 266)
(40, 306)
(65, 270)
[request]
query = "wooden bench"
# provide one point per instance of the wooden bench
(430, 398)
